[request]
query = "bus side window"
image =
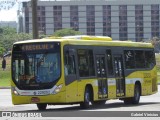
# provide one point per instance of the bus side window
(129, 59)
(69, 67)
(109, 63)
(149, 59)
(86, 63)
(140, 59)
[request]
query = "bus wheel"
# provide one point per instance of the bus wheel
(135, 99)
(85, 104)
(137, 94)
(42, 106)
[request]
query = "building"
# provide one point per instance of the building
(135, 20)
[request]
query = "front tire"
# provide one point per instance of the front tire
(41, 106)
(85, 104)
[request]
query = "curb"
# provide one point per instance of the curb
(5, 87)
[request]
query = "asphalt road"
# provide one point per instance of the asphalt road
(147, 103)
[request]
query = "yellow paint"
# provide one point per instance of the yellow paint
(112, 91)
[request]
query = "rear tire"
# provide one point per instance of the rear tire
(41, 106)
(135, 99)
(87, 96)
(137, 94)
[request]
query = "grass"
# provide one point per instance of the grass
(5, 76)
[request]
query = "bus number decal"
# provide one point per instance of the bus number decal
(43, 92)
(147, 75)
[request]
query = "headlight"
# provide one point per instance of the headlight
(57, 89)
(14, 91)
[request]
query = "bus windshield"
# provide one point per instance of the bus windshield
(36, 66)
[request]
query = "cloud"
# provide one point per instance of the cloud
(9, 15)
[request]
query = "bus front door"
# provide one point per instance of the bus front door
(119, 75)
(101, 74)
(70, 77)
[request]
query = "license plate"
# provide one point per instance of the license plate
(35, 100)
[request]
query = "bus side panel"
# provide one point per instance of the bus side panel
(150, 82)
(129, 89)
(111, 88)
(154, 80)
(94, 83)
(131, 79)
(147, 82)
(71, 92)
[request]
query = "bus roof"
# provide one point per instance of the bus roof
(87, 37)
(94, 42)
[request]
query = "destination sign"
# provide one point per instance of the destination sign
(37, 47)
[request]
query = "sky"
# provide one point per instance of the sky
(11, 14)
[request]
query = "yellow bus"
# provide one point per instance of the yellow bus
(85, 70)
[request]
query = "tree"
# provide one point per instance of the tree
(23, 36)
(8, 36)
(66, 32)
(1, 51)
(8, 30)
